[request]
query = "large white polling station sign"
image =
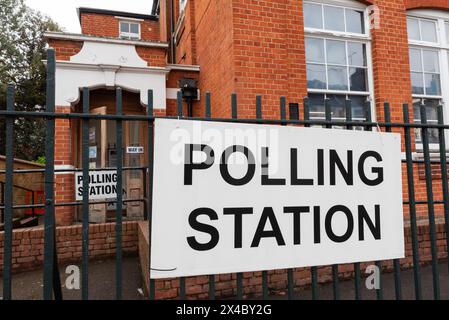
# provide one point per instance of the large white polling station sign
(238, 197)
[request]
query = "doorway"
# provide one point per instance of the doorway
(103, 154)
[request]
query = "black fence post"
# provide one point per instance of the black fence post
(85, 155)
(369, 127)
(283, 113)
(444, 175)
(396, 262)
(150, 113)
(9, 183)
(335, 280)
(264, 273)
(51, 273)
(313, 270)
(357, 273)
(211, 277)
(239, 275)
(430, 203)
(412, 202)
(119, 206)
(182, 280)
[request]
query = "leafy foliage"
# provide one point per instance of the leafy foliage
(22, 49)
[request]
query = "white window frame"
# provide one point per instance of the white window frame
(347, 36)
(442, 46)
(182, 5)
(130, 35)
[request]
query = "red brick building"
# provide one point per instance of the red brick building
(377, 51)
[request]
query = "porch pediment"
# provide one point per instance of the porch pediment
(109, 54)
(109, 65)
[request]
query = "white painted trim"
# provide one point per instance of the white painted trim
(183, 67)
(178, 26)
(335, 34)
(129, 34)
(347, 36)
(76, 65)
(342, 3)
(71, 77)
(129, 19)
(80, 37)
(428, 13)
(440, 17)
(64, 167)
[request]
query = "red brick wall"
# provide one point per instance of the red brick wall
(186, 49)
(430, 4)
(64, 183)
(213, 49)
(263, 32)
(64, 49)
(108, 26)
(390, 58)
(156, 57)
(28, 244)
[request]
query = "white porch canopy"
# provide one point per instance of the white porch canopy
(109, 64)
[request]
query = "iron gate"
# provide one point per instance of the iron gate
(51, 287)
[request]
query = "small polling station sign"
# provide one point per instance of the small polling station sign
(231, 197)
(102, 185)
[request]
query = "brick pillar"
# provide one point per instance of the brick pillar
(64, 182)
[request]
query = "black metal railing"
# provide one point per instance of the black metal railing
(51, 275)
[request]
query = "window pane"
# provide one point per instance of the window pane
(338, 106)
(358, 107)
(431, 106)
(315, 50)
(354, 21)
(124, 27)
(432, 84)
(337, 78)
(316, 106)
(416, 110)
(417, 119)
(428, 31)
(135, 28)
(336, 52)
(313, 16)
(316, 76)
(413, 29)
(447, 32)
(417, 83)
(431, 63)
(415, 60)
(334, 18)
(357, 79)
(356, 54)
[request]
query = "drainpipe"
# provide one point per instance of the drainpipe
(172, 32)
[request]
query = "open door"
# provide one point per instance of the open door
(97, 159)
(134, 157)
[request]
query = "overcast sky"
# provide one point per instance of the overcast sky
(64, 11)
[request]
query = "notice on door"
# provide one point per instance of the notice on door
(102, 185)
(134, 150)
(240, 197)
